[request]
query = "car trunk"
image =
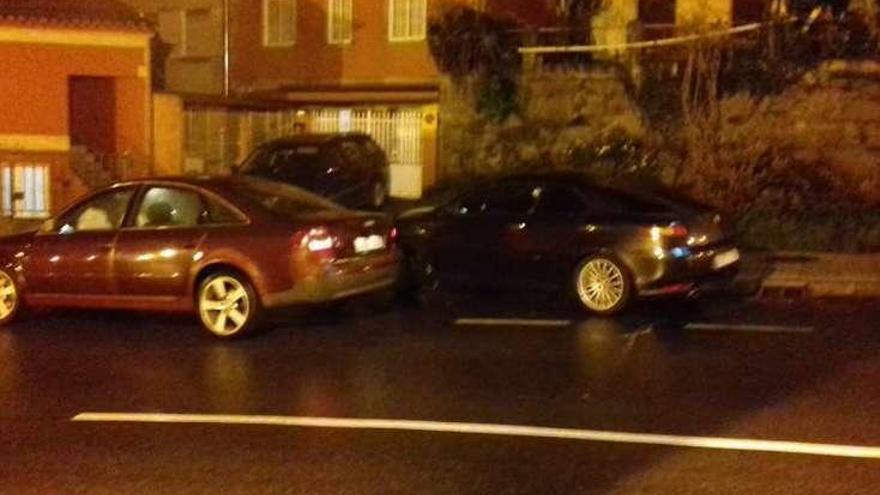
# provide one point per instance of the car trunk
(355, 234)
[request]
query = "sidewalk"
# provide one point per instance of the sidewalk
(810, 274)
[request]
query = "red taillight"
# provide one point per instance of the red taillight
(676, 230)
(317, 241)
(672, 230)
(392, 234)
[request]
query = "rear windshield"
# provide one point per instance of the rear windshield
(281, 199)
(286, 162)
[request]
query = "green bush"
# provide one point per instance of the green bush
(466, 42)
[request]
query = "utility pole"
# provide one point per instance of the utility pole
(226, 55)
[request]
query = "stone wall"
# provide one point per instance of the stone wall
(832, 117)
(557, 111)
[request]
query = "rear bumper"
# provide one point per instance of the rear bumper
(341, 279)
(682, 275)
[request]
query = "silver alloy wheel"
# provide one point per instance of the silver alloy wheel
(8, 296)
(601, 285)
(224, 306)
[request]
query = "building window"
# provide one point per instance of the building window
(279, 22)
(25, 190)
(198, 33)
(339, 20)
(191, 32)
(407, 20)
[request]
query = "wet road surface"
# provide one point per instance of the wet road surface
(791, 372)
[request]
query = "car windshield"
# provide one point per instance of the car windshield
(281, 199)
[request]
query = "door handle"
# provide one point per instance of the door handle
(106, 247)
(517, 226)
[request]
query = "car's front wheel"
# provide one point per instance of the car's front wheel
(603, 285)
(228, 305)
(10, 299)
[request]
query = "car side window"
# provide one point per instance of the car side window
(602, 201)
(560, 200)
(507, 199)
(103, 212)
(376, 154)
(353, 153)
(170, 207)
(218, 213)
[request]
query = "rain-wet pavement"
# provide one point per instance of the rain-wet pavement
(805, 372)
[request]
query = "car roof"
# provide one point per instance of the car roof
(545, 177)
(314, 138)
(207, 181)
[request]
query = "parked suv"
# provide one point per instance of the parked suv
(350, 169)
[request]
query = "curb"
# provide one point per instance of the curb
(810, 275)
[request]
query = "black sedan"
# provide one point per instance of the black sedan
(348, 168)
(603, 245)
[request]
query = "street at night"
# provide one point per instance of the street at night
(803, 373)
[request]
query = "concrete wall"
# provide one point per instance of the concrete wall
(703, 12)
(168, 134)
(611, 25)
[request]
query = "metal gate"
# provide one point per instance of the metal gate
(398, 132)
(215, 139)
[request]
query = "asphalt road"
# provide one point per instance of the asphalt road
(803, 373)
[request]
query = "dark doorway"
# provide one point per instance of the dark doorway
(93, 113)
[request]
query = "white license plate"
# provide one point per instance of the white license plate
(366, 244)
(725, 258)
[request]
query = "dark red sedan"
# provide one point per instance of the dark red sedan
(226, 248)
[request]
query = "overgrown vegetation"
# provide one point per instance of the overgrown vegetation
(734, 152)
(467, 43)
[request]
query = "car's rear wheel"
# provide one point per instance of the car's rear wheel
(603, 285)
(228, 306)
(10, 300)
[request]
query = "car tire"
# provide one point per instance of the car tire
(602, 285)
(10, 298)
(418, 277)
(228, 306)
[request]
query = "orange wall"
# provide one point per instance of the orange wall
(370, 58)
(34, 87)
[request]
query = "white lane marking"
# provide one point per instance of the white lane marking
(730, 327)
(521, 322)
(739, 444)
